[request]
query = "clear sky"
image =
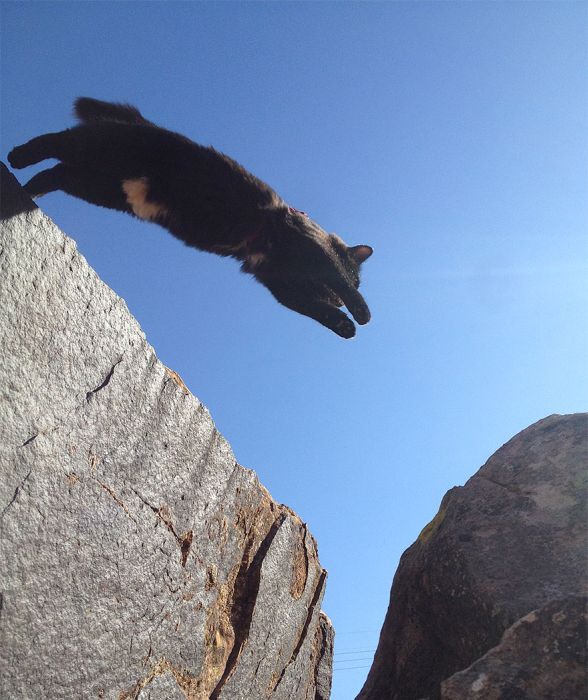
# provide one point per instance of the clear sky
(449, 136)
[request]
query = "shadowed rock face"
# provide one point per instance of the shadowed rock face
(511, 540)
(541, 657)
(139, 560)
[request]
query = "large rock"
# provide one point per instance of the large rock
(511, 540)
(139, 560)
(541, 657)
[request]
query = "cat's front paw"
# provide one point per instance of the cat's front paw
(345, 328)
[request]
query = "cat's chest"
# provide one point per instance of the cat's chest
(137, 195)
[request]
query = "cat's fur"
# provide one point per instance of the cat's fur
(117, 159)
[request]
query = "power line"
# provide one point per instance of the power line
(354, 651)
(351, 668)
(344, 661)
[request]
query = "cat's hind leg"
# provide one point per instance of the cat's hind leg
(56, 145)
(46, 181)
(91, 186)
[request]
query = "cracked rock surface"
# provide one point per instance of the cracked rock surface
(139, 560)
(512, 540)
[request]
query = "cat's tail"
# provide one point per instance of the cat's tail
(89, 110)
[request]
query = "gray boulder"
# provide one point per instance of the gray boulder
(139, 560)
(512, 540)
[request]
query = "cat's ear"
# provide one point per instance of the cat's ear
(360, 253)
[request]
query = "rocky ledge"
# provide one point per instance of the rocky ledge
(139, 560)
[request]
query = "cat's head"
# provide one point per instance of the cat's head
(311, 271)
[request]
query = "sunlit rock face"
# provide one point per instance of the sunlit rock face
(511, 541)
(138, 559)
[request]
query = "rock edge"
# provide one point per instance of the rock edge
(139, 559)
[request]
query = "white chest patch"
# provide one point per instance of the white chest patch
(136, 192)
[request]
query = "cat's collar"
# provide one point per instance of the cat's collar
(293, 210)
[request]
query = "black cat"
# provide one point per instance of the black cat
(118, 159)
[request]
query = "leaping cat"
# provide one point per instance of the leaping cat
(118, 159)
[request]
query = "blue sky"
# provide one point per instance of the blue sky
(449, 136)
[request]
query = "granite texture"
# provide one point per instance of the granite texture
(512, 540)
(139, 560)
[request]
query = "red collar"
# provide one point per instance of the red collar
(292, 210)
